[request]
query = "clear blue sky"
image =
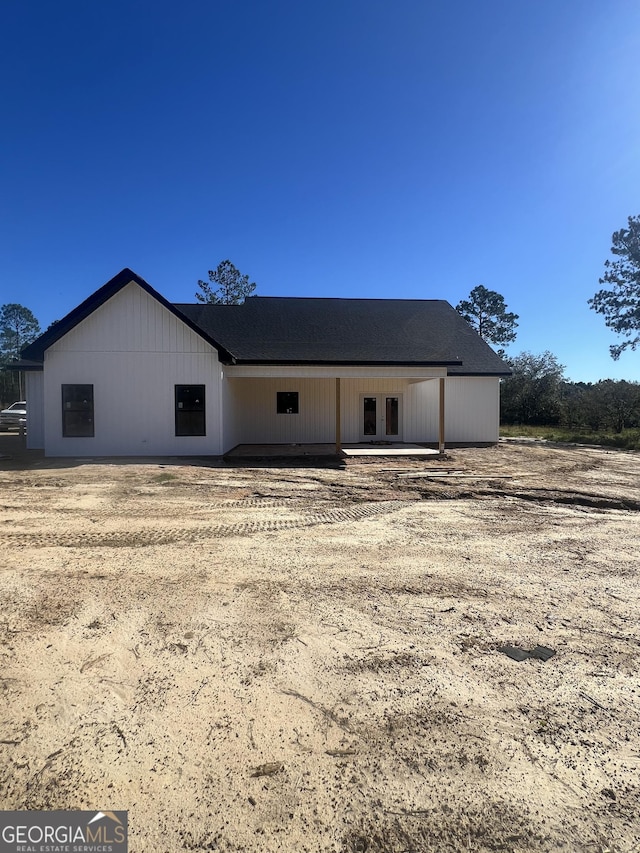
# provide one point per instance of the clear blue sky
(355, 148)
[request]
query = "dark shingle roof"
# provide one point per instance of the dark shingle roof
(286, 330)
(267, 329)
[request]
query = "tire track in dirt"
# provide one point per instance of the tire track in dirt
(130, 507)
(163, 536)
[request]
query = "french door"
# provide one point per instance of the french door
(381, 417)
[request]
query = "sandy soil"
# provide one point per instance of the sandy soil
(307, 659)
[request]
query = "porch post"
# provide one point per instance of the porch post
(441, 425)
(338, 435)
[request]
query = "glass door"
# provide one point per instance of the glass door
(380, 417)
(392, 417)
(370, 418)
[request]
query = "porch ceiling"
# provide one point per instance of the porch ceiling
(336, 371)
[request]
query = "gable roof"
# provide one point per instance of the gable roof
(34, 352)
(291, 330)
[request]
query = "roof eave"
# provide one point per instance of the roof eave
(501, 373)
(279, 362)
(24, 364)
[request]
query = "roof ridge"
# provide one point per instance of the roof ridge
(383, 299)
(346, 298)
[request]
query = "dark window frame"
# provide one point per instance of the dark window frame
(190, 417)
(287, 402)
(77, 414)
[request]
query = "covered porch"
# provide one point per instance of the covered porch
(319, 410)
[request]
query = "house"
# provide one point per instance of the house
(127, 373)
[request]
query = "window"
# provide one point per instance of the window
(190, 410)
(77, 411)
(287, 403)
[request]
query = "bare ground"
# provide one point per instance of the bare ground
(307, 659)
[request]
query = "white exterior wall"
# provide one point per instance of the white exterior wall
(255, 421)
(229, 406)
(423, 411)
(472, 410)
(34, 389)
(133, 351)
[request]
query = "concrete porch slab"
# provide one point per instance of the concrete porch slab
(395, 449)
(286, 451)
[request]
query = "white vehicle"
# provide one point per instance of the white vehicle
(14, 417)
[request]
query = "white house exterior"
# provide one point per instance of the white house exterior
(129, 374)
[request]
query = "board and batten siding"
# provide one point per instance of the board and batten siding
(231, 414)
(34, 389)
(472, 410)
(133, 351)
(255, 420)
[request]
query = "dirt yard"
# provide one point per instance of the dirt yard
(301, 659)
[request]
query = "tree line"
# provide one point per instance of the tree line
(537, 394)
